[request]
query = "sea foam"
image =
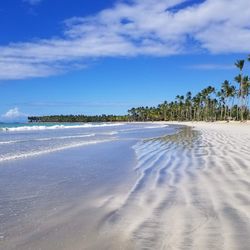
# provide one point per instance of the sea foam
(43, 127)
(9, 157)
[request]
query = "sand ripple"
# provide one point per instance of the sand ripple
(192, 192)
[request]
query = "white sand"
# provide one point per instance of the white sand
(192, 192)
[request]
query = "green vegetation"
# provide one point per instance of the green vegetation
(230, 102)
(79, 118)
(207, 105)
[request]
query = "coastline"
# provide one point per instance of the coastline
(187, 190)
(192, 192)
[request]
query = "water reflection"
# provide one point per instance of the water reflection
(185, 137)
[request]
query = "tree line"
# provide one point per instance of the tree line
(79, 118)
(230, 102)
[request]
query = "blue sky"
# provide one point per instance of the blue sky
(94, 57)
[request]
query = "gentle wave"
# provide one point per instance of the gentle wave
(49, 138)
(27, 128)
(136, 129)
(50, 150)
(157, 126)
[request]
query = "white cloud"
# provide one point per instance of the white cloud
(137, 28)
(14, 114)
(20, 70)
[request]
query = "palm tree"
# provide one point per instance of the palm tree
(133, 114)
(163, 110)
(232, 94)
(197, 100)
(214, 111)
(188, 104)
(229, 92)
(180, 100)
(206, 95)
(240, 65)
(245, 93)
(221, 96)
(205, 105)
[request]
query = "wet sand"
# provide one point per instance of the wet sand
(192, 193)
(189, 190)
(56, 201)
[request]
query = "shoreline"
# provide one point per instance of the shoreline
(187, 190)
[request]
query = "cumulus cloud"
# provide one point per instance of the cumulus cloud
(134, 28)
(14, 114)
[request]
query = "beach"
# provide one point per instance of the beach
(133, 186)
(125, 125)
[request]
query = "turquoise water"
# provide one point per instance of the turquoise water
(25, 140)
(12, 125)
(57, 179)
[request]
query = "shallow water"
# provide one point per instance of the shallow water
(56, 185)
(20, 141)
(140, 186)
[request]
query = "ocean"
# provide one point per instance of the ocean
(59, 183)
(127, 186)
(27, 140)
